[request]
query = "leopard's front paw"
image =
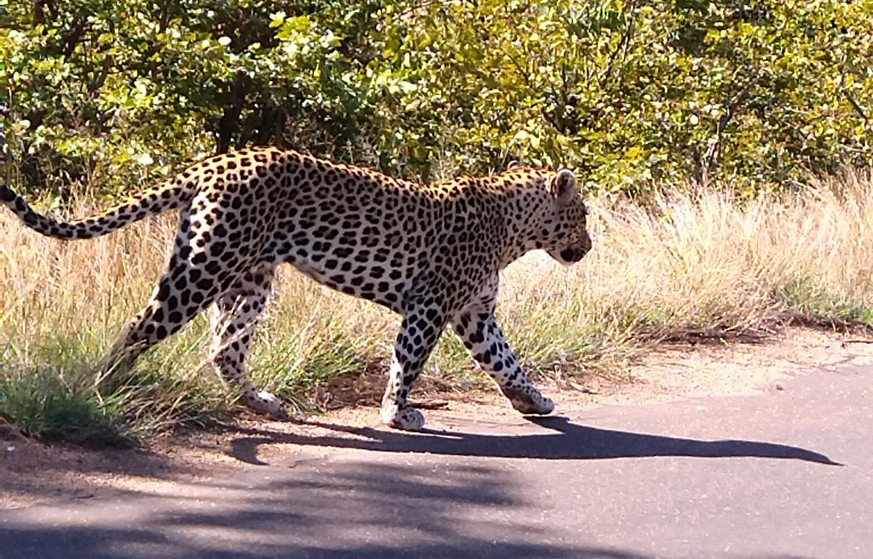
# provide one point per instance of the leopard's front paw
(264, 402)
(406, 418)
(529, 401)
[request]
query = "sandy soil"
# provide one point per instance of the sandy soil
(31, 473)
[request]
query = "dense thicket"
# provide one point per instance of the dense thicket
(753, 93)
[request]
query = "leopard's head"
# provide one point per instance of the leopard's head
(566, 226)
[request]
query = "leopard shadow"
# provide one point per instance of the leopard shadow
(566, 441)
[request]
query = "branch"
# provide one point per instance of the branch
(730, 110)
(228, 124)
(100, 79)
(623, 43)
(858, 108)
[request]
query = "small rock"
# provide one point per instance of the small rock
(779, 386)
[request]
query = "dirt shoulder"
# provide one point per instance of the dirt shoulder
(33, 473)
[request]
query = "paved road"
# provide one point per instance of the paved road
(784, 474)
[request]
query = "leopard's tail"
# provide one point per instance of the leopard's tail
(168, 196)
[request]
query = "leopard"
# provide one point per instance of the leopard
(432, 253)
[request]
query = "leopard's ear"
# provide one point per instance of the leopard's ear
(563, 186)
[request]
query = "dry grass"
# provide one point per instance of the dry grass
(690, 263)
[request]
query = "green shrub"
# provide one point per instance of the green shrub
(753, 93)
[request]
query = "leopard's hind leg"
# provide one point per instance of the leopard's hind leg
(196, 276)
(233, 318)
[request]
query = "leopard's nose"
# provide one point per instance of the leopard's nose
(573, 254)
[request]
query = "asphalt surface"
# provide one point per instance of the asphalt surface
(783, 474)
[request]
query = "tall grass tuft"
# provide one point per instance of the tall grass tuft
(689, 262)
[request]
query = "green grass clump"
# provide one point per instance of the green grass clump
(55, 389)
(39, 403)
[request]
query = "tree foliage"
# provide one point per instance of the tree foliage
(743, 92)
